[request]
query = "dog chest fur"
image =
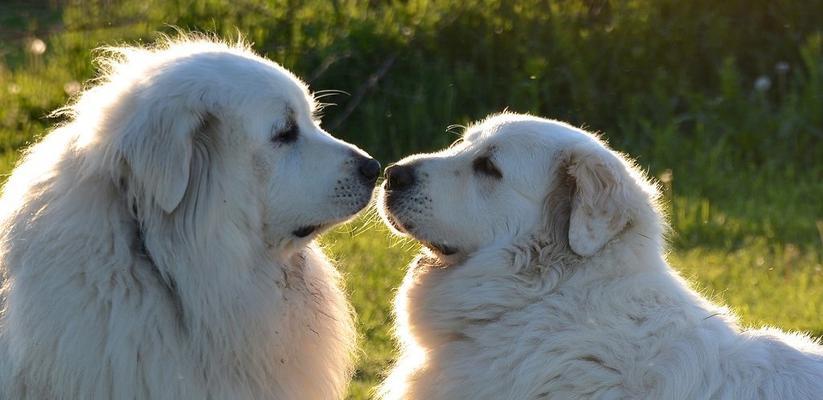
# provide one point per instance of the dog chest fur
(596, 335)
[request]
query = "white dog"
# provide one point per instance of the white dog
(546, 279)
(159, 244)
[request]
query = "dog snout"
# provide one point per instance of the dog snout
(369, 169)
(399, 177)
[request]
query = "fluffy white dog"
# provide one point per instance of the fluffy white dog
(159, 244)
(546, 279)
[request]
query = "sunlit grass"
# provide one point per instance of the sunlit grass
(374, 264)
(764, 283)
(7, 161)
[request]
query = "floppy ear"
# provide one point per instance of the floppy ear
(157, 145)
(600, 199)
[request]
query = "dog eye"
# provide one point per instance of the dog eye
(288, 134)
(485, 165)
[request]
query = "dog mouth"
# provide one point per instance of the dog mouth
(306, 230)
(390, 215)
(440, 248)
(396, 224)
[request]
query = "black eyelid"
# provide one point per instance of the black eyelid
(486, 166)
(288, 134)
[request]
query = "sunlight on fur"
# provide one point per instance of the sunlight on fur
(160, 243)
(544, 276)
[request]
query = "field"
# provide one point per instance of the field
(721, 101)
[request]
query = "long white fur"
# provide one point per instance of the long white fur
(579, 305)
(85, 315)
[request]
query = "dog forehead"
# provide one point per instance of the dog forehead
(259, 77)
(523, 132)
(512, 137)
(230, 74)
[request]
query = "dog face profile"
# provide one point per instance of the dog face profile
(512, 176)
(206, 119)
(312, 180)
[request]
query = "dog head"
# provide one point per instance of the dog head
(196, 124)
(516, 176)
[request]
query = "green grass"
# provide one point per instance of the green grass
(373, 264)
(671, 83)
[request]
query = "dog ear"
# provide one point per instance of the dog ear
(600, 199)
(157, 145)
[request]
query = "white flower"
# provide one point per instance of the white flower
(666, 176)
(782, 67)
(37, 46)
(763, 83)
(72, 87)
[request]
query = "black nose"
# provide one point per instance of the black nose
(369, 169)
(399, 177)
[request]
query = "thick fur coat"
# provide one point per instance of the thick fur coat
(548, 280)
(158, 245)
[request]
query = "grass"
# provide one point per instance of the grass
(374, 264)
(721, 101)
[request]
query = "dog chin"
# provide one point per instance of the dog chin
(439, 249)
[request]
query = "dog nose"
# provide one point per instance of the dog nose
(399, 177)
(369, 168)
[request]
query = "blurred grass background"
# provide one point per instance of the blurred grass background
(722, 101)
